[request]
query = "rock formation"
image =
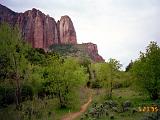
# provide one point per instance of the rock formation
(93, 52)
(42, 31)
(39, 29)
(67, 34)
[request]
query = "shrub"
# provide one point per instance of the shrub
(6, 96)
(27, 92)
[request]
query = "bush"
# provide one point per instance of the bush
(7, 95)
(96, 84)
(121, 83)
(117, 85)
(147, 70)
(27, 92)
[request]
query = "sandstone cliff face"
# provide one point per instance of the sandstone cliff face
(67, 34)
(93, 52)
(39, 29)
(7, 15)
(42, 31)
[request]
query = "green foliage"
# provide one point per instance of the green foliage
(105, 74)
(27, 73)
(86, 63)
(27, 92)
(12, 52)
(13, 49)
(6, 95)
(63, 79)
(36, 56)
(147, 70)
(123, 80)
(101, 71)
(64, 49)
(4, 61)
(70, 50)
(129, 67)
(114, 64)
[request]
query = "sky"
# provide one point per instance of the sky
(120, 28)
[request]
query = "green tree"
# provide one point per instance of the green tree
(13, 49)
(114, 66)
(86, 63)
(129, 67)
(106, 73)
(36, 56)
(147, 70)
(101, 73)
(64, 77)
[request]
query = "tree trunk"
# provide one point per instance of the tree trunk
(111, 85)
(62, 105)
(18, 94)
(111, 90)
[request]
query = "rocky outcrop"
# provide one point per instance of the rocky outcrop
(42, 31)
(84, 50)
(7, 15)
(92, 50)
(39, 29)
(67, 33)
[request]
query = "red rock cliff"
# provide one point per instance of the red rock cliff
(42, 31)
(39, 29)
(93, 52)
(67, 33)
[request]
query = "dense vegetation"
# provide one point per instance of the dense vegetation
(147, 70)
(130, 95)
(35, 84)
(28, 73)
(68, 50)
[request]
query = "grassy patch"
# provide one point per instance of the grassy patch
(38, 109)
(120, 96)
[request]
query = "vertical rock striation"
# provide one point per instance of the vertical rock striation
(39, 29)
(67, 33)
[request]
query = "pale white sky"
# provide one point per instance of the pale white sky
(120, 28)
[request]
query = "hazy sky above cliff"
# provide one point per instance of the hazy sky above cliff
(120, 28)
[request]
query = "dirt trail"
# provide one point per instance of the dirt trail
(72, 116)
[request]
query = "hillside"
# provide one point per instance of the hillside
(85, 50)
(42, 31)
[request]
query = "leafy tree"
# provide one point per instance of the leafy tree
(86, 63)
(101, 73)
(36, 56)
(114, 68)
(63, 79)
(12, 50)
(147, 70)
(129, 66)
(106, 73)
